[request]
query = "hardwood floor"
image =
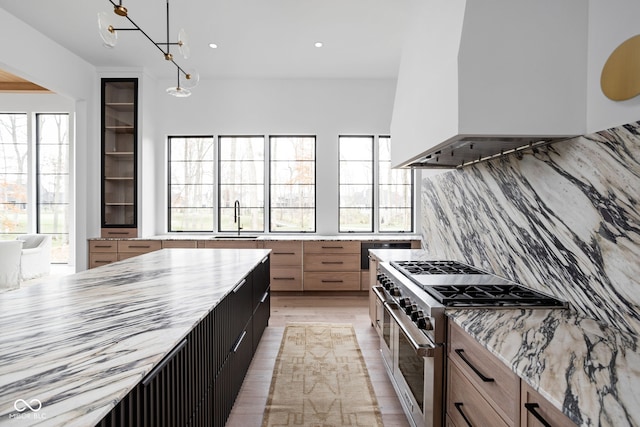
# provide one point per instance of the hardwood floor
(249, 406)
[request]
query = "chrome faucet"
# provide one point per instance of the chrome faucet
(236, 215)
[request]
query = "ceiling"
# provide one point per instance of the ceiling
(256, 38)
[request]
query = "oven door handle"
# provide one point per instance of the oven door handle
(420, 343)
(379, 291)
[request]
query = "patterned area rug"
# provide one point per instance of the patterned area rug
(321, 380)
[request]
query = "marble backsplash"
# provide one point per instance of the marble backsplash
(563, 219)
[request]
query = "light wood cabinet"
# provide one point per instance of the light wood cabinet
(231, 244)
(536, 411)
(119, 120)
(167, 244)
(499, 385)
(482, 390)
(286, 265)
(466, 405)
(331, 265)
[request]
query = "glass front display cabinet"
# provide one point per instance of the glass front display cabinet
(119, 157)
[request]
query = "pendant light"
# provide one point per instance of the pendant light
(109, 34)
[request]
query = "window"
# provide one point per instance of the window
(292, 183)
(191, 183)
(356, 183)
(14, 174)
(53, 182)
(45, 210)
(242, 180)
(395, 192)
(373, 199)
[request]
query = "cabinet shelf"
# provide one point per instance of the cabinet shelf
(119, 178)
(119, 153)
(119, 204)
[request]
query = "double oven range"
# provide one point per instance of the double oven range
(411, 298)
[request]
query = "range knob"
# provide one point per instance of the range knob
(424, 323)
(404, 302)
(410, 309)
(417, 315)
(395, 291)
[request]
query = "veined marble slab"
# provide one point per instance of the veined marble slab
(563, 219)
(74, 347)
(579, 365)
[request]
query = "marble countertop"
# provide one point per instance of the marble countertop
(75, 346)
(586, 369)
(578, 364)
(273, 236)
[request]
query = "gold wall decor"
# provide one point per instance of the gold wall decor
(620, 79)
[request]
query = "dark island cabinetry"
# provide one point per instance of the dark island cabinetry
(197, 383)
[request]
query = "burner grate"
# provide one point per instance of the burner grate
(490, 295)
(436, 267)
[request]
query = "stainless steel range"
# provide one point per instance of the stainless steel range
(411, 297)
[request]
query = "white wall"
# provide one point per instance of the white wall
(611, 22)
(325, 108)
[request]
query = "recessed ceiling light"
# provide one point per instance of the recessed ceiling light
(213, 45)
(318, 44)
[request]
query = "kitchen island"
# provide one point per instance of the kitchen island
(72, 349)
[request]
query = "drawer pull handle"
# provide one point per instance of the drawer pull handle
(139, 246)
(118, 232)
(236, 346)
(460, 352)
(102, 262)
(332, 281)
(264, 297)
(238, 286)
(103, 246)
(333, 247)
(284, 253)
(531, 407)
(163, 363)
(333, 262)
(458, 406)
(284, 278)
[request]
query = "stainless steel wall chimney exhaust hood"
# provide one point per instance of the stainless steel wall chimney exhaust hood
(481, 78)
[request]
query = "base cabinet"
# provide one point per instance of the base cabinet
(483, 391)
(197, 383)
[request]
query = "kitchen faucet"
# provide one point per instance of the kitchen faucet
(236, 215)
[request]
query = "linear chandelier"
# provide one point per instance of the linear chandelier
(187, 79)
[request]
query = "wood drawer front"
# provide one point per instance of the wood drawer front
(127, 255)
(139, 246)
(464, 398)
(552, 415)
(231, 244)
(321, 262)
(475, 360)
(331, 281)
(332, 247)
(122, 233)
(286, 278)
(179, 244)
(103, 246)
(102, 258)
(285, 253)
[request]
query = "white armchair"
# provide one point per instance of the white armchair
(10, 254)
(36, 255)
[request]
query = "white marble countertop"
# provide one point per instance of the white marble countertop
(579, 365)
(274, 236)
(78, 344)
(584, 368)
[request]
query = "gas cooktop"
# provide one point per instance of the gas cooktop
(455, 284)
